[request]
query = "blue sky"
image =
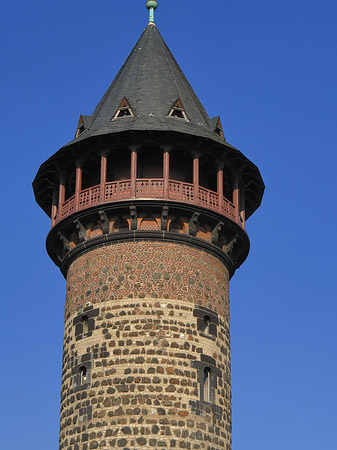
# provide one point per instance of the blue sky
(269, 69)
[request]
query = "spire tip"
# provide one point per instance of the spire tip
(151, 5)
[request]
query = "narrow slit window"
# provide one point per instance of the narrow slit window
(83, 375)
(178, 111)
(124, 110)
(85, 322)
(207, 385)
(206, 324)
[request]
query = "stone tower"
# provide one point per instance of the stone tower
(148, 206)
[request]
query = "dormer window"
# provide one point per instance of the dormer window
(178, 111)
(124, 110)
(80, 128)
(218, 130)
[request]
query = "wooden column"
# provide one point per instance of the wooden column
(196, 177)
(134, 151)
(166, 171)
(220, 187)
(62, 195)
(236, 193)
(104, 165)
(54, 206)
(78, 186)
(242, 208)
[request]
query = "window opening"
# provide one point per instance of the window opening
(83, 375)
(124, 110)
(207, 321)
(80, 127)
(178, 111)
(218, 130)
(85, 322)
(207, 384)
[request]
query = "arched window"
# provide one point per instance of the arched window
(207, 384)
(85, 322)
(83, 375)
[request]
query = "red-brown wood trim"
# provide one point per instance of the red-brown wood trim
(242, 208)
(166, 171)
(103, 177)
(196, 177)
(220, 187)
(236, 194)
(78, 186)
(62, 195)
(54, 206)
(133, 177)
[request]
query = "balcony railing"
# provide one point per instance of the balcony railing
(148, 188)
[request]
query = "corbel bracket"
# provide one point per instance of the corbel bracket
(164, 218)
(193, 223)
(133, 217)
(105, 224)
(66, 243)
(216, 233)
(81, 231)
(229, 247)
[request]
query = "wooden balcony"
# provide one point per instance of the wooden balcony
(145, 189)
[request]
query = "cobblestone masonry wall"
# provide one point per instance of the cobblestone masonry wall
(136, 351)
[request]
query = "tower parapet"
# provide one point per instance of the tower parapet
(148, 206)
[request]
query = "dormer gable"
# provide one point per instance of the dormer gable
(81, 128)
(218, 129)
(124, 110)
(178, 111)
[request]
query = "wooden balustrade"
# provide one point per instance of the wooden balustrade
(149, 188)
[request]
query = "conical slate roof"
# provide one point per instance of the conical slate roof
(149, 84)
(151, 81)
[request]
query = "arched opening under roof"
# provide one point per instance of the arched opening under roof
(91, 172)
(181, 165)
(118, 164)
(70, 182)
(228, 182)
(208, 173)
(150, 162)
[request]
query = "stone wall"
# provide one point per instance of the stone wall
(144, 322)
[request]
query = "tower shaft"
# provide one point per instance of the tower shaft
(145, 321)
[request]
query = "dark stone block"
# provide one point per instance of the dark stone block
(208, 360)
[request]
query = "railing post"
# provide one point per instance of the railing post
(54, 206)
(196, 163)
(62, 195)
(133, 172)
(236, 192)
(166, 170)
(103, 177)
(220, 187)
(78, 186)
